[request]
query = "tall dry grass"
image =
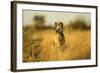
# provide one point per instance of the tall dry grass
(37, 45)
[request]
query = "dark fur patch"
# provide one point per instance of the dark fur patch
(59, 31)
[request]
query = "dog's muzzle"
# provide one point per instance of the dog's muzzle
(59, 30)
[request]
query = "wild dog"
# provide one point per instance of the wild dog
(59, 38)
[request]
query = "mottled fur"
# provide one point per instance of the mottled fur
(59, 38)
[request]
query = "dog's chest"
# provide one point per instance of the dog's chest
(59, 39)
(56, 38)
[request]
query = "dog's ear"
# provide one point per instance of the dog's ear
(55, 23)
(61, 23)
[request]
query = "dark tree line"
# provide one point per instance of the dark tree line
(79, 24)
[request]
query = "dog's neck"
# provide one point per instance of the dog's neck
(60, 33)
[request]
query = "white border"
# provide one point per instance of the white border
(21, 65)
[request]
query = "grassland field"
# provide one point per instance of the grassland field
(37, 45)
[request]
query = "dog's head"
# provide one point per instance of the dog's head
(59, 27)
